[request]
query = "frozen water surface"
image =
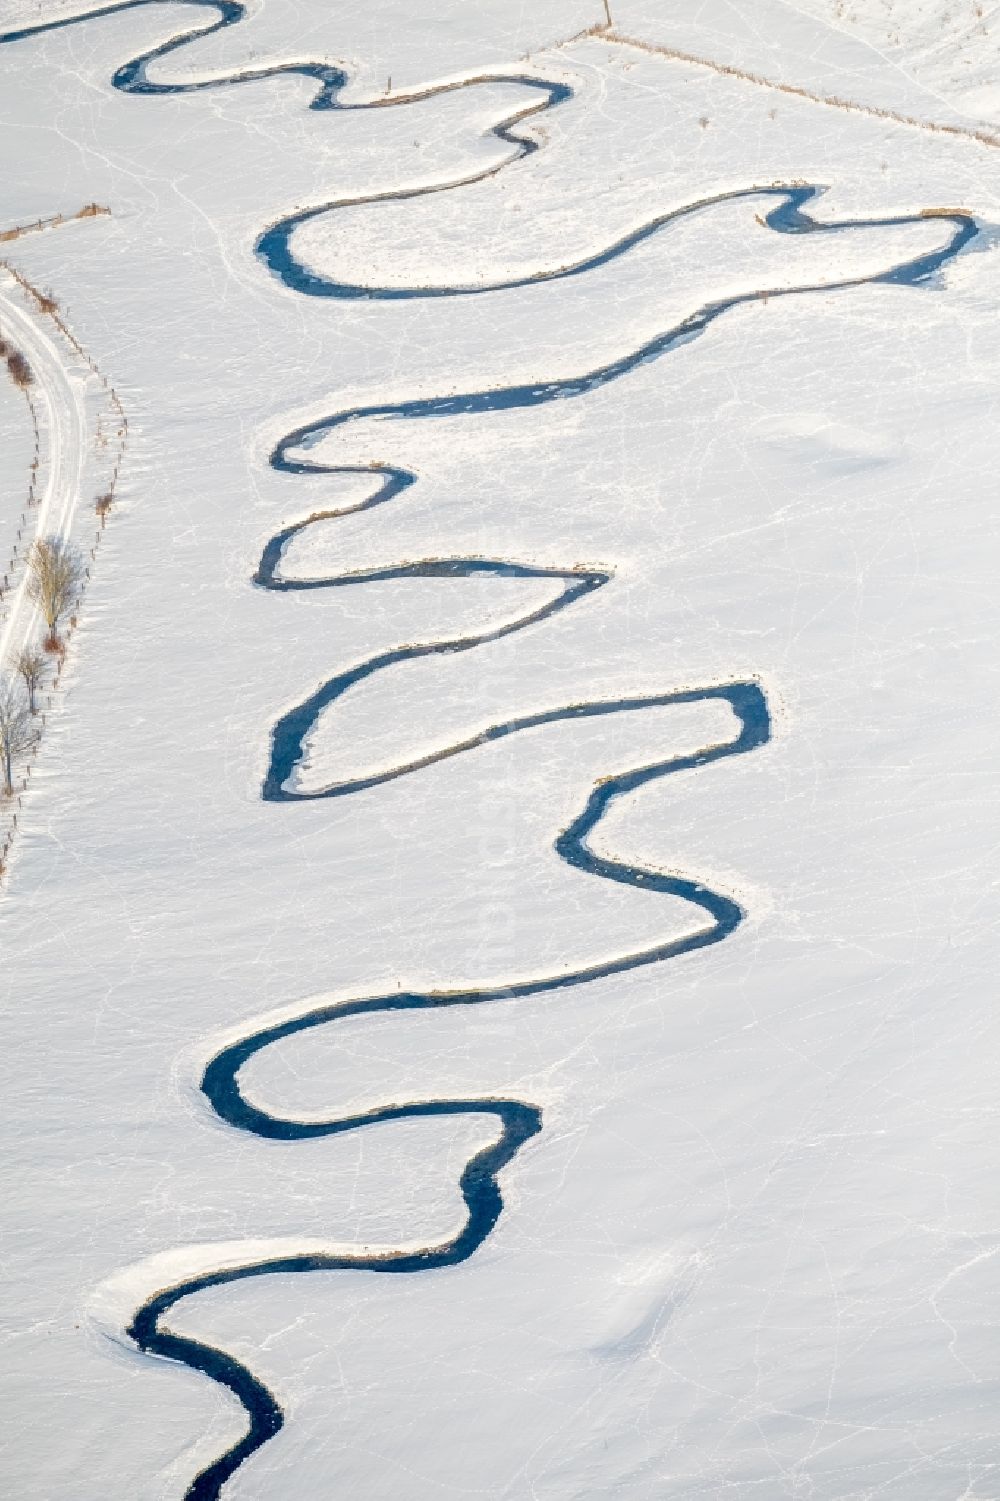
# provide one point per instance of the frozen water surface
(498, 950)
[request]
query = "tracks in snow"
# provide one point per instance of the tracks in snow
(63, 406)
(81, 432)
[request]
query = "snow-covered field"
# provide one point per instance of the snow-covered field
(675, 466)
(951, 47)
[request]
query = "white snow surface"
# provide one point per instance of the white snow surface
(63, 422)
(754, 1251)
(18, 445)
(950, 46)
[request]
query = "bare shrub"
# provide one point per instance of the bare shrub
(17, 730)
(20, 370)
(30, 666)
(55, 575)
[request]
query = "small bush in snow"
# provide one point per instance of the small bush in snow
(20, 370)
(30, 667)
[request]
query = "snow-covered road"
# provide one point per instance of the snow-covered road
(61, 394)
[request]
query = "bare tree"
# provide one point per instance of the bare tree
(30, 667)
(56, 573)
(17, 729)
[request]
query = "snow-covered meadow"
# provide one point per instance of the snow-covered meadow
(753, 1251)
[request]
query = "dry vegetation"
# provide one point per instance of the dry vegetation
(55, 578)
(19, 369)
(30, 667)
(89, 211)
